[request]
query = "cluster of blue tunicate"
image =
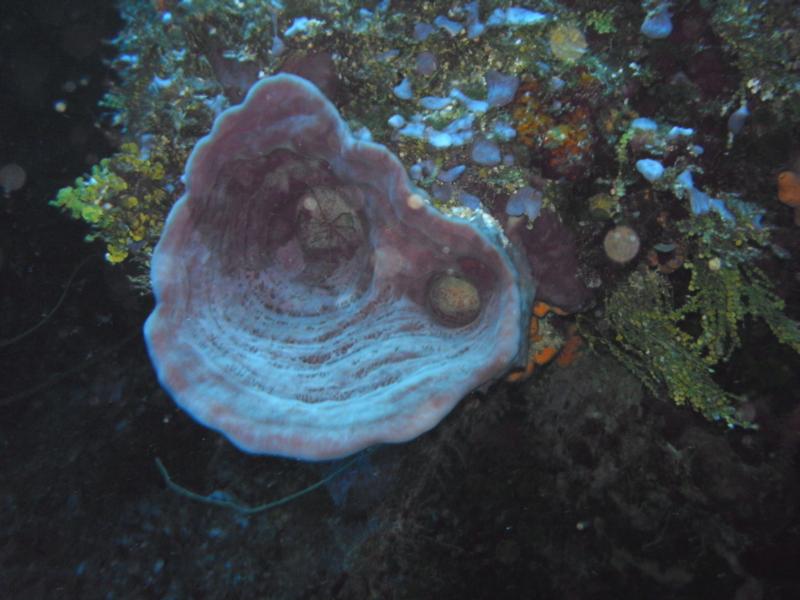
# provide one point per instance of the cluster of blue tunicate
(658, 139)
(702, 203)
(457, 133)
(525, 201)
(699, 201)
(457, 118)
(650, 168)
(501, 89)
(443, 186)
(472, 23)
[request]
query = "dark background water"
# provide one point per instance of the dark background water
(499, 502)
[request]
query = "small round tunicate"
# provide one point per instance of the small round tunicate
(426, 64)
(454, 301)
(657, 25)
(621, 244)
(12, 178)
(485, 152)
(652, 170)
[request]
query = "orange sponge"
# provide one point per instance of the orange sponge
(789, 192)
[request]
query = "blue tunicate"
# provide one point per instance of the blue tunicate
(403, 90)
(721, 209)
(475, 29)
(422, 31)
(501, 88)
(515, 16)
(556, 83)
(277, 46)
(363, 134)
(700, 202)
(472, 9)
(737, 119)
(486, 153)
(413, 130)
(476, 106)
(504, 131)
(461, 138)
(460, 130)
(685, 179)
(522, 16)
(657, 24)
(652, 170)
(644, 124)
(474, 26)
(460, 124)
(301, 25)
(426, 64)
(450, 26)
(469, 200)
(525, 201)
(434, 102)
(439, 139)
(442, 191)
(160, 83)
(676, 132)
(396, 121)
(451, 175)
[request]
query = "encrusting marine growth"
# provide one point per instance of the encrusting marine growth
(309, 301)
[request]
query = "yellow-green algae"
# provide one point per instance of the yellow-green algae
(677, 345)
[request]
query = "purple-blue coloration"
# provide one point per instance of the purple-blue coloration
(485, 153)
(308, 297)
(426, 64)
(469, 200)
(450, 26)
(525, 201)
(652, 170)
(644, 124)
(434, 102)
(501, 88)
(403, 90)
(700, 202)
(422, 31)
(451, 175)
(737, 119)
(658, 23)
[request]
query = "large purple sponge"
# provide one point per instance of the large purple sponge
(310, 302)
